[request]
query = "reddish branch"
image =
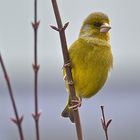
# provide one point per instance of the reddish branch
(61, 30)
(17, 120)
(105, 124)
(36, 114)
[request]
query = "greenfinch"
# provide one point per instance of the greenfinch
(91, 59)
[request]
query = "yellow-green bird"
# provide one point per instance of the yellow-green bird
(91, 59)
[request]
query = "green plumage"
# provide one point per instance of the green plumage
(91, 59)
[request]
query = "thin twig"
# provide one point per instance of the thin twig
(105, 124)
(61, 30)
(17, 120)
(36, 114)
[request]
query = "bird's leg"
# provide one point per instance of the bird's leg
(76, 103)
(68, 64)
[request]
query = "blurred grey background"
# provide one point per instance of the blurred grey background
(120, 95)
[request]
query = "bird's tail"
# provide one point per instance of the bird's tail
(68, 113)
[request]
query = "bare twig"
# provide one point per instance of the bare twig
(61, 30)
(105, 124)
(36, 67)
(17, 120)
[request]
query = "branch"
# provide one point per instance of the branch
(36, 114)
(61, 30)
(105, 124)
(17, 120)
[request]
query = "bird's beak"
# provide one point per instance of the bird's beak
(105, 28)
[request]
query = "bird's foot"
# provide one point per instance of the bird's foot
(76, 104)
(68, 64)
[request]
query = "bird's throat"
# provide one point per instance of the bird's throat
(92, 34)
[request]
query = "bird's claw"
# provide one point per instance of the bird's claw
(76, 104)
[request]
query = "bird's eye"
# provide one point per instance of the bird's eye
(97, 24)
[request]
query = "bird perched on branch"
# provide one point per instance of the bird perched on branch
(91, 60)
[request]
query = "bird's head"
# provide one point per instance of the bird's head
(96, 25)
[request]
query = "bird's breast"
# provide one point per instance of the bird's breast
(90, 67)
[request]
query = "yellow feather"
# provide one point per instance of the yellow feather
(91, 61)
(91, 58)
